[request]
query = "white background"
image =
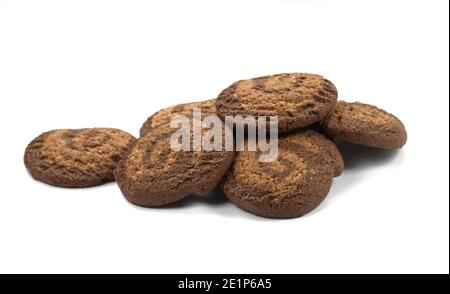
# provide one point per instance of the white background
(73, 64)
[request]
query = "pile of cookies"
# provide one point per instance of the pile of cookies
(151, 174)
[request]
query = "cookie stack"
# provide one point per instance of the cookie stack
(150, 173)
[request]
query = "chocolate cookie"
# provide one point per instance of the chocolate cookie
(153, 174)
(164, 116)
(338, 159)
(325, 149)
(366, 125)
(76, 158)
(291, 186)
(298, 99)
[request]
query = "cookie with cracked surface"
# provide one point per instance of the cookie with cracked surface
(298, 99)
(153, 174)
(76, 158)
(365, 124)
(164, 116)
(289, 187)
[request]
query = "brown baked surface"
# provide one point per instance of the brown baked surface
(76, 158)
(326, 150)
(366, 125)
(155, 175)
(292, 186)
(164, 116)
(298, 99)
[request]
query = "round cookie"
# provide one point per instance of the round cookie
(366, 125)
(289, 187)
(164, 116)
(155, 175)
(298, 99)
(76, 158)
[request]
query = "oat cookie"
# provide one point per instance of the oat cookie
(298, 99)
(76, 158)
(289, 187)
(366, 125)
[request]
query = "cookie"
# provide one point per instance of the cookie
(289, 187)
(298, 99)
(338, 160)
(164, 116)
(76, 158)
(153, 174)
(366, 125)
(327, 150)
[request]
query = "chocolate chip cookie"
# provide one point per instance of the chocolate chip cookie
(298, 99)
(366, 125)
(289, 187)
(155, 174)
(76, 158)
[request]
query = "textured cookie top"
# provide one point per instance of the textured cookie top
(76, 157)
(164, 116)
(290, 186)
(298, 99)
(365, 124)
(324, 149)
(154, 175)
